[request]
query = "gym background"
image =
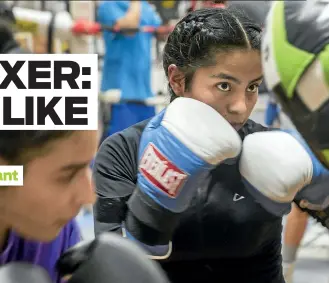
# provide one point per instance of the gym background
(79, 27)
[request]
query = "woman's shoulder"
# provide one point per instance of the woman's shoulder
(125, 138)
(120, 149)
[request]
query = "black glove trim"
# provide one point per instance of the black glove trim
(321, 216)
(148, 222)
(110, 210)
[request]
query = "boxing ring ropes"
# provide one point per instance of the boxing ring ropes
(78, 27)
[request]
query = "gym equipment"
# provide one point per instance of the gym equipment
(76, 27)
(167, 9)
(114, 96)
(85, 27)
(296, 67)
(58, 25)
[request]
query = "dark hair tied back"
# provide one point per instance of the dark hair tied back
(202, 33)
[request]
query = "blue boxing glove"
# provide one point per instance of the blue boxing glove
(278, 165)
(178, 146)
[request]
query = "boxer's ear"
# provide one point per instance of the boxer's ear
(176, 80)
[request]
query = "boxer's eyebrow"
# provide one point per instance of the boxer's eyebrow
(234, 79)
(226, 77)
(75, 167)
(258, 79)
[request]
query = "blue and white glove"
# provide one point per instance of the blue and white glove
(183, 142)
(276, 166)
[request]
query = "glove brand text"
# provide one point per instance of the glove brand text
(160, 172)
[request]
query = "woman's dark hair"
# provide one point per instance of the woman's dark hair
(202, 33)
(19, 147)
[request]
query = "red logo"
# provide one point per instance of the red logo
(160, 172)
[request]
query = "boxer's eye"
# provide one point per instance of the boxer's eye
(253, 88)
(68, 177)
(224, 87)
(68, 172)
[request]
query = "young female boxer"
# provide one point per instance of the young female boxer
(213, 56)
(200, 186)
(36, 223)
